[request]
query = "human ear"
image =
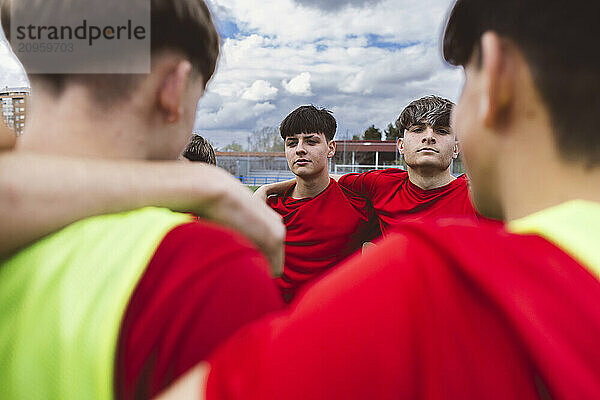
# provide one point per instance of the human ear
(400, 146)
(172, 91)
(455, 149)
(497, 59)
(331, 151)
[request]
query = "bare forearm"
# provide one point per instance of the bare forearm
(40, 194)
(273, 188)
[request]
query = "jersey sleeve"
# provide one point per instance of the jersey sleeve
(203, 283)
(420, 316)
(332, 343)
(362, 183)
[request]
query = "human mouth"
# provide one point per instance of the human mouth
(301, 161)
(428, 149)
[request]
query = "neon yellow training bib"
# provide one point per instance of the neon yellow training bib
(573, 226)
(62, 300)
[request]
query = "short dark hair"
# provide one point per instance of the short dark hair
(433, 110)
(309, 119)
(559, 41)
(198, 149)
(184, 26)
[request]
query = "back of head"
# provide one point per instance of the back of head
(433, 110)
(309, 119)
(198, 149)
(559, 41)
(184, 27)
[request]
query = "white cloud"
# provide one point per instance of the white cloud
(262, 108)
(363, 59)
(299, 85)
(259, 91)
(331, 5)
(290, 22)
(365, 64)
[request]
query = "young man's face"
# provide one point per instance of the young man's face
(307, 154)
(424, 146)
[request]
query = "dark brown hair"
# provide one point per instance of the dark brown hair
(559, 41)
(198, 149)
(184, 26)
(432, 110)
(309, 119)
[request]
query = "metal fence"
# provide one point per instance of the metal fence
(340, 169)
(261, 180)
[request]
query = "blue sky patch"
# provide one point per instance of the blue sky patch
(228, 29)
(381, 42)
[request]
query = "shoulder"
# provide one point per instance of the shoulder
(352, 197)
(279, 200)
(390, 174)
(450, 231)
(196, 244)
(479, 245)
(200, 252)
(216, 282)
(462, 181)
(187, 233)
(376, 175)
(274, 200)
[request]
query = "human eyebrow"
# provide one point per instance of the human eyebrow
(415, 126)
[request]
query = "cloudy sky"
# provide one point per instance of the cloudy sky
(362, 59)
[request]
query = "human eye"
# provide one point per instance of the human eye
(416, 129)
(443, 131)
(291, 143)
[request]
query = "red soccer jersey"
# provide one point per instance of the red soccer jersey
(439, 310)
(321, 231)
(203, 283)
(395, 198)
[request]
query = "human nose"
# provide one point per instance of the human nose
(300, 148)
(428, 136)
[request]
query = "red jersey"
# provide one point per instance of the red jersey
(439, 310)
(203, 283)
(396, 198)
(321, 231)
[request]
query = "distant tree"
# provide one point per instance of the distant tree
(372, 133)
(266, 139)
(234, 147)
(278, 144)
(355, 137)
(392, 132)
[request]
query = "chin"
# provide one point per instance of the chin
(303, 174)
(430, 164)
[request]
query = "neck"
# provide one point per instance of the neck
(533, 175)
(73, 125)
(310, 187)
(428, 179)
(527, 190)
